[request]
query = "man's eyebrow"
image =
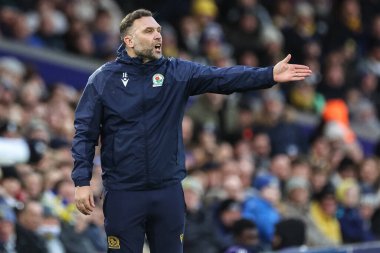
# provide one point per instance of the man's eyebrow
(152, 27)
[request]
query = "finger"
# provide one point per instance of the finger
(92, 201)
(88, 206)
(298, 78)
(297, 66)
(301, 74)
(84, 206)
(287, 58)
(304, 71)
(86, 210)
(77, 204)
(81, 208)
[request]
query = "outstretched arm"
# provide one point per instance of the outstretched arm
(283, 71)
(203, 79)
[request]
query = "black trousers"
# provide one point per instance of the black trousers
(158, 214)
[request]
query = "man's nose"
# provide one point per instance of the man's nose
(157, 35)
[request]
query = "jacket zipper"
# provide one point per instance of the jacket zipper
(145, 138)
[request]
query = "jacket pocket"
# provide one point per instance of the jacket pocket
(105, 197)
(125, 147)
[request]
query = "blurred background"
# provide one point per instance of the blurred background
(294, 168)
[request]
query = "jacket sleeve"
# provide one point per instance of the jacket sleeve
(87, 122)
(205, 79)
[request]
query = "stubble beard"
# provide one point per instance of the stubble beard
(147, 55)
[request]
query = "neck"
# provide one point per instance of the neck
(131, 53)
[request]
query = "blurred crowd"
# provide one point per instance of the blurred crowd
(296, 165)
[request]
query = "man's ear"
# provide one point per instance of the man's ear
(128, 41)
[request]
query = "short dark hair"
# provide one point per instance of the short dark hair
(241, 225)
(128, 20)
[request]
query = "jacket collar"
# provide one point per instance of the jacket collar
(122, 56)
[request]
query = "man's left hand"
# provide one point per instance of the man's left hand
(283, 71)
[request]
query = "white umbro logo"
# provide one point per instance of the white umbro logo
(125, 79)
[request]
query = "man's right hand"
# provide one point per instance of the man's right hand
(84, 199)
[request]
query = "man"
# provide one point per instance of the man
(30, 220)
(199, 235)
(136, 104)
(323, 212)
(246, 237)
(7, 229)
(262, 208)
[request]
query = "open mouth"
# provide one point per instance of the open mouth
(158, 47)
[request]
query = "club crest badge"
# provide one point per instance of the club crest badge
(157, 80)
(113, 242)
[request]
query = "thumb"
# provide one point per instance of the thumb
(287, 58)
(92, 202)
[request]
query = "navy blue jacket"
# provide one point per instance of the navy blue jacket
(137, 111)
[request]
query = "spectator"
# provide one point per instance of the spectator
(246, 238)
(364, 121)
(336, 128)
(7, 229)
(169, 39)
(227, 213)
(368, 90)
(229, 141)
(33, 185)
(289, 233)
(367, 207)
(11, 187)
(95, 232)
(104, 38)
(279, 124)
(322, 212)
(369, 63)
(198, 230)
(246, 33)
(369, 175)
(47, 32)
(30, 220)
(261, 209)
(281, 168)
(334, 85)
(304, 30)
(75, 236)
(305, 97)
(209, 111)
(347, 169)
(320, 152)
(297, 206)
(375, 222)
(302, 168)
(246, 173)
(352, 224)
(60, 200)
(319, 179)
(22, 32)
(283, 14)
(346, 26)
(190, 35)
(261, 149)
(50, 230)
(233, 187)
